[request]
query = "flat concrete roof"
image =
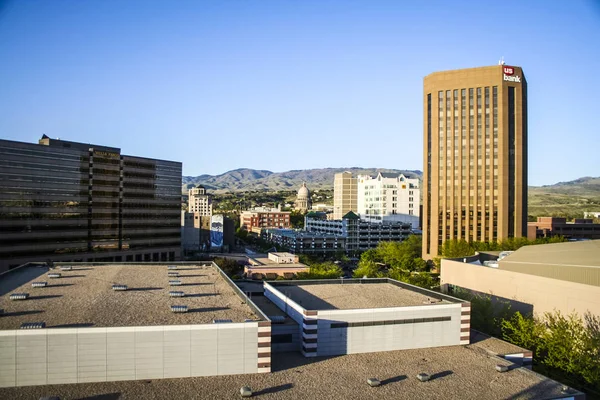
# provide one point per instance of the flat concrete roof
(84, 297)
(569, 254)
(458, 372)
(347, 295)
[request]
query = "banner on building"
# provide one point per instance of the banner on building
(216, 232)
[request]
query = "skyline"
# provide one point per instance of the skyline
(304, 78)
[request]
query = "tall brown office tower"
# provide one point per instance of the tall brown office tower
(475, 156)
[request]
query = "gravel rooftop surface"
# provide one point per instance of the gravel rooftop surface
(458, 372)
(349, 296)
(84, 297)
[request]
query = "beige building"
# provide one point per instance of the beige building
(538, 279)
(200, 202)
(475, 156)
(344, 194)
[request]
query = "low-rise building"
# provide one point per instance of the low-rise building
(360, 234)
(580, 228)
(534, 279)
(274, 265)
(261, 217)
(116, 322)
(305, 242)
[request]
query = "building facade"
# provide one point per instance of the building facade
(68, 201)
(580, 228)
(475, 156)
(344, 194)
(199, 201)
(261, 217)
(388, 197)
(359, 234)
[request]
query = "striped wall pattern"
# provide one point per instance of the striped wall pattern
(309, 333)
(264, 346)
(465, 323)
(76, 355)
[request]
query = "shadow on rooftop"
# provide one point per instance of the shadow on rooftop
(274, 389)
(394, 379)
(200, 294)
(191, 275)
(20, 313)
(440, 374)
(142, 289)
(82, 269)
(208, 309)
(72, 276)
(60, 285)
(77, 325)
(293, 359)
(106, 396)
(44, 297)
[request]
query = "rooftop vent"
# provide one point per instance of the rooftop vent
(246, 391)
(54, 275)
(221, 321)
(176, 294)
(501, 368)
(33, 325)
(172, 267)
(66, 268)
(179, 309)
(19, 296)
(119, 288)
(373, 382)
(277, 319)
(423, 377)
(175, 283)
(39, 284)
(173, 274)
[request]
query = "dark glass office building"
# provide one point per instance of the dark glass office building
(68, 201)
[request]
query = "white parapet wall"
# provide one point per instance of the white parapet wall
(76, 355)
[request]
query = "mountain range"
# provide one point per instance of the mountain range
(244, 179)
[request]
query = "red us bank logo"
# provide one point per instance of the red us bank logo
(509, 70)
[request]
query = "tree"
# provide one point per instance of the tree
(367, 268)
(457, 248)
(522, 331)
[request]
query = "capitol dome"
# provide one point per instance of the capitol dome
(303, 202)
(303, 191)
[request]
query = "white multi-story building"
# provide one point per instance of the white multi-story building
(199, 201)
(388, 197)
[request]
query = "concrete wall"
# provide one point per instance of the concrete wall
(526, 292)
(74, 355)
(412, 333)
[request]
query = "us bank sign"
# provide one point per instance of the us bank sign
(509, 75)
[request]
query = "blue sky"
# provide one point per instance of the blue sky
(283, 85)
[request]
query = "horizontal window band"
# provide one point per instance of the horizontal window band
(388, 322)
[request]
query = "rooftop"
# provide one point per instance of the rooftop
(348, 295)
(457, 372)
(83, 297)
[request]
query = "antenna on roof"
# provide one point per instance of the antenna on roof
(501, 62)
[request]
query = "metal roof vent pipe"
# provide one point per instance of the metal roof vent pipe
(175, 283)
(173, 274)
(39, 284)
(246, 391)
(119, 288)
(172, 267)
(423, 377)
(54, 275)
(33, 325)
(501, 368)
(179, 309)
(66, 268)
(19, 296)
(373, 382)
(176, 294)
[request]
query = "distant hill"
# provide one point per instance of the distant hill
(568, 199)
(244, 179)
